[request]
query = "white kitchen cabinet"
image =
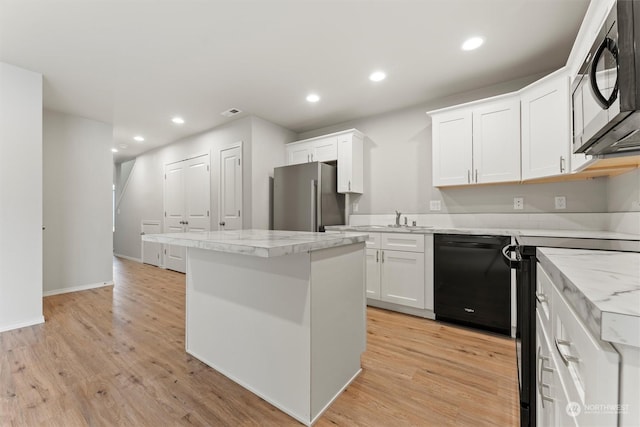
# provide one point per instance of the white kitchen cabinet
(373, 273)
(496, 142)
(572, 365)
(350, 163)
(345, 148)
(298, 153)
(546, 127)
(477, 143)
(323, 149)
(398, 276)
(402, 278)
(452, 148)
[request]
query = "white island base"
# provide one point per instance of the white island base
(289, 328)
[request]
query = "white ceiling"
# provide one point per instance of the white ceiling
(137, 63)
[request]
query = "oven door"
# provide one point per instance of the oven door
(523, 261)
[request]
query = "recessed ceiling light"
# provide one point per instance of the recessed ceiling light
(312, 97)
(472, 43)
(178, 120)
(377, 76)
(114, 150)
(138, 138)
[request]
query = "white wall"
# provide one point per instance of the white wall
(397, 164)
(20, 197)
(623, 192)
(267, 151)
(142, 198)
(78, 176)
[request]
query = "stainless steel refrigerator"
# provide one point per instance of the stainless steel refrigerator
(306, 198)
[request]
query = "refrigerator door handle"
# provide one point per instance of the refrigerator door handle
(314, 206)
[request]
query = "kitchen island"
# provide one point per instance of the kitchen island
(282, 313)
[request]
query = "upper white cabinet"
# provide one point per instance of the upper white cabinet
(546, 127)
(452, 148)
(477, 143)
(350, 163)
(323, 149)
(345, 147)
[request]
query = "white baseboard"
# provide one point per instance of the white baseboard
(38, 320)
(77, 288)
(130, 258)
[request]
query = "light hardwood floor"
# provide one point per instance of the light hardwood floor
(115, 357)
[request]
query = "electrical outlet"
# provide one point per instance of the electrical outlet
(518, 203)
(356, 206)
(561, 202)
(435, 205)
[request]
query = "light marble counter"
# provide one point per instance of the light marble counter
(576, 234)
(260, 243)
(602, 287)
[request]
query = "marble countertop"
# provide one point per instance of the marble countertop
(576, 234)
(260, 243)
(602, 287)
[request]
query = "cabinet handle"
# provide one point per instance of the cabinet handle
(541, 298)
(468, 176)
(476, 176)
(562, 168)
(566, 358)
(377, 256)
(541, 360)
(308, 158)
(349, 185)
(312, 157)
(383, 257)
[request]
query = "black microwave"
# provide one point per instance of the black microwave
(606, 90)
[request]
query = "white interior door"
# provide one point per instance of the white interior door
(151, 250)
(174, 205)
(230, 194)
(198, 194)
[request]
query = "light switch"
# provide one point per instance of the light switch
(561, 202)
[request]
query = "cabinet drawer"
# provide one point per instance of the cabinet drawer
(403, 242)
(544, 292)
(588, 367)
(373, 241)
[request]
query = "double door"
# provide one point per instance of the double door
(186, 204)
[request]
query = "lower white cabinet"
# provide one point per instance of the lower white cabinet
(577, 374)
(373, 273)
(403, 277)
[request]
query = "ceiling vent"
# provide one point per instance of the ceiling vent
(231, 112)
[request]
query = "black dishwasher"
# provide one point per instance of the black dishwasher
(472, 283)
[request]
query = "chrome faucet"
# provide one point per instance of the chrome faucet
(398, 213)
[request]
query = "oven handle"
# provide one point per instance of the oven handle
(612, 47)
(506, 256)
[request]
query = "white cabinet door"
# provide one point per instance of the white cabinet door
(452, 148)
(197, 190)
(325, 149)
(546, 380)
(496, 142)
(298, 153)
(230, 190)
(373, 273)
(546, 138)
(402, 278)
(350, 163)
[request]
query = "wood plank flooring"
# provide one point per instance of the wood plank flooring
(115, 357)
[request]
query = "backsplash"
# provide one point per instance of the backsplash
(624, 222)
